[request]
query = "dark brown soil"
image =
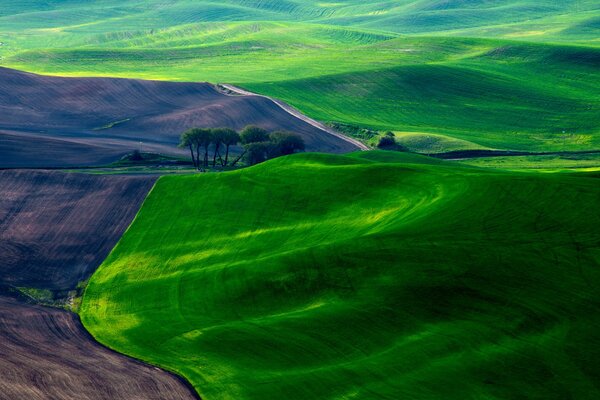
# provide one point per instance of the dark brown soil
(46, 354)
(56, 228)
(53, 121)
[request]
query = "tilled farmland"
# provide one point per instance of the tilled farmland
(55, 230)
(46, 354)
(55, 122)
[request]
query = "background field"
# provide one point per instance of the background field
(521, 75)
(304, 277)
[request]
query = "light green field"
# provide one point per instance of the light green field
(409, 66)
(306, 278)
(551, 163)
(570, 19)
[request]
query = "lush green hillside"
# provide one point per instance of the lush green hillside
(306, 277)
(496, 94)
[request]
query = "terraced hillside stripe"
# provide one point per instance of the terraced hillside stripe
(378, 276)
(52, 121)
(96, 22)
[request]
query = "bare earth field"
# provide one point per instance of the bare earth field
(46, 354)
(53, 121)
(55, 229)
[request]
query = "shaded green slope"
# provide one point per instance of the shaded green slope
(497, 94)
(372, 276)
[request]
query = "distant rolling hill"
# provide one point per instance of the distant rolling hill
(498, 94)
(51, 121)
(526, 18)
(419, 67)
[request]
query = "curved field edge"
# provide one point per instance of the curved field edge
(373, 275)
(55, 230)
(46, 353)
(56, 227)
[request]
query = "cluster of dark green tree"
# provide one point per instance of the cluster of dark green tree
(388, 142)
(258, 145)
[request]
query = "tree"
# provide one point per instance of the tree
(256, 144)
(136, 156)
(253, 134)
(257, 152)
(229, 138)
(195, 139)
(188, 140)
(217, 141)
(204, 138)
(285, 143)
(387, 141)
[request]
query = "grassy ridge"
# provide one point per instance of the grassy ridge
(493, 93)
(306, 278)
(508, 103)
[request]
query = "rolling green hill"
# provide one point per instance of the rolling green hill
(495, 94)
(305, 277)
(527, 18)
(416, 66)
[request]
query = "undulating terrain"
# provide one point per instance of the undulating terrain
(352, 275)
(305, 277)
(507, 74)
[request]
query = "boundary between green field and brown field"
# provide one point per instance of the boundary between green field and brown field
(231, 90)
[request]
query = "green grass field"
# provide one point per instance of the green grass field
(376, 275)
(519, 75)
(550, 163)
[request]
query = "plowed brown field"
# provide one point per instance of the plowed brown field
(55, 229)
(46, 354)
(53, 121)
